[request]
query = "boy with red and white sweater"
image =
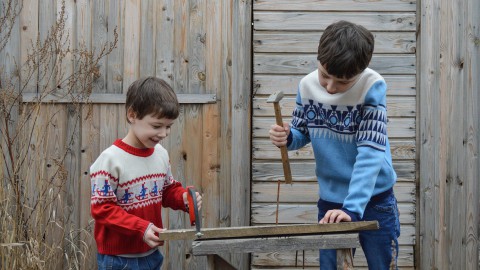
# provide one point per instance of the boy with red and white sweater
(132, 179)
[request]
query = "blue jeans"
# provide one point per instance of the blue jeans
(378, 244)
(112, 262)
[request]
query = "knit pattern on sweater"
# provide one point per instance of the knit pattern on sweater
(348, 134)
(128, 188)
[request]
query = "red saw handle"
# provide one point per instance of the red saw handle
(191, 204)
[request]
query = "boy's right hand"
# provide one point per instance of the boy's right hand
(279, 135)
(150, 237)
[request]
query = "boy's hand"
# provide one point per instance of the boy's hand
(335, 216)
(279, 135)
(150, 238)
(199, 199)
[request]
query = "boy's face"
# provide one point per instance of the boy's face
(332, 84)
(148, 131)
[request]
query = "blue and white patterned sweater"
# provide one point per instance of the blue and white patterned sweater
(349, 138)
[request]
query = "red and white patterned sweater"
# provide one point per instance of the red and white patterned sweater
(129, 187)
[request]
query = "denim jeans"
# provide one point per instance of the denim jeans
(112, 262)
(378, 245)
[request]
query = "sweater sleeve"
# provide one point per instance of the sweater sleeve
(299, 135)
(172, 192)
(371, 144)
(104, 208)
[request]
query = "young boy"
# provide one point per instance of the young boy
(132, 179)
(341, 110)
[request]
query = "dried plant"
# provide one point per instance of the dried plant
(36, 225)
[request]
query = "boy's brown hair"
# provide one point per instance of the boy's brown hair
(345, 49)
(152, 95)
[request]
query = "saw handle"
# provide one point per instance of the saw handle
(192, 204)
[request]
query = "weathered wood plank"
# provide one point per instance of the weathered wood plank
(314, 21)
(95, 31)
(266, 192)
(307, 42)
(265, 213)
(263, 85)
(115, 65)
(113, 98)
(269, 230)
(240, 109)
(336, 5)
(472, 142)
(262, 149)
(303, 171)
(396, 106)
(131, 52)
(277, 244)
(305, 63)
(90, 149)
(147, 38)
(288, 259)
(396, 128)
(28, 37)
(165, 40)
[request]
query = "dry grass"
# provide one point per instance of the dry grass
(38, 223)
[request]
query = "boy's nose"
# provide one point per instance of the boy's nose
(331, 88)
(162, 132)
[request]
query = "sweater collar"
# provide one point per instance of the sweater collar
(141, 152)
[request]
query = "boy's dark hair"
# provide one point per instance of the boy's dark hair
(345, 49)
(152, 95)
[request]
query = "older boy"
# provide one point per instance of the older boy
(341, 110)
(132, 180)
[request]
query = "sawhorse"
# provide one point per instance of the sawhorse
(214, 241)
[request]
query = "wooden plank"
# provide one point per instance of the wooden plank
(147, 38)
(270, 244)
(131, 52)
(335, 5)
(292, 261)
(314, 21)
(307, 42)
(90, 149)
(165, 59)
(266, 192)
(113, 98)
(472, 142)
(396, 128)
(264, 85)
(240, 108)
(269, 231)
(303, 170)
(97, 24)
(292, 213)
(115, 19)
(403, 106)
(28, 37)
(295, 64)
(263, 149)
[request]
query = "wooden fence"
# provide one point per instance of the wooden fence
(224, 58)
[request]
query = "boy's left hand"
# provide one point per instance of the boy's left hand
(199, 199)
(335, 216)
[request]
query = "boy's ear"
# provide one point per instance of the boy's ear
(131, 115)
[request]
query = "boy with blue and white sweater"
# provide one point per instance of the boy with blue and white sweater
(341, 111)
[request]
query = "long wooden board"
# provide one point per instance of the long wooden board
(269, 230)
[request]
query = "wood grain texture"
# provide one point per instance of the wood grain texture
(335, 5)
(277, 244)
(314, 21)
(307, 42)
(269, 230)
(265, 84)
